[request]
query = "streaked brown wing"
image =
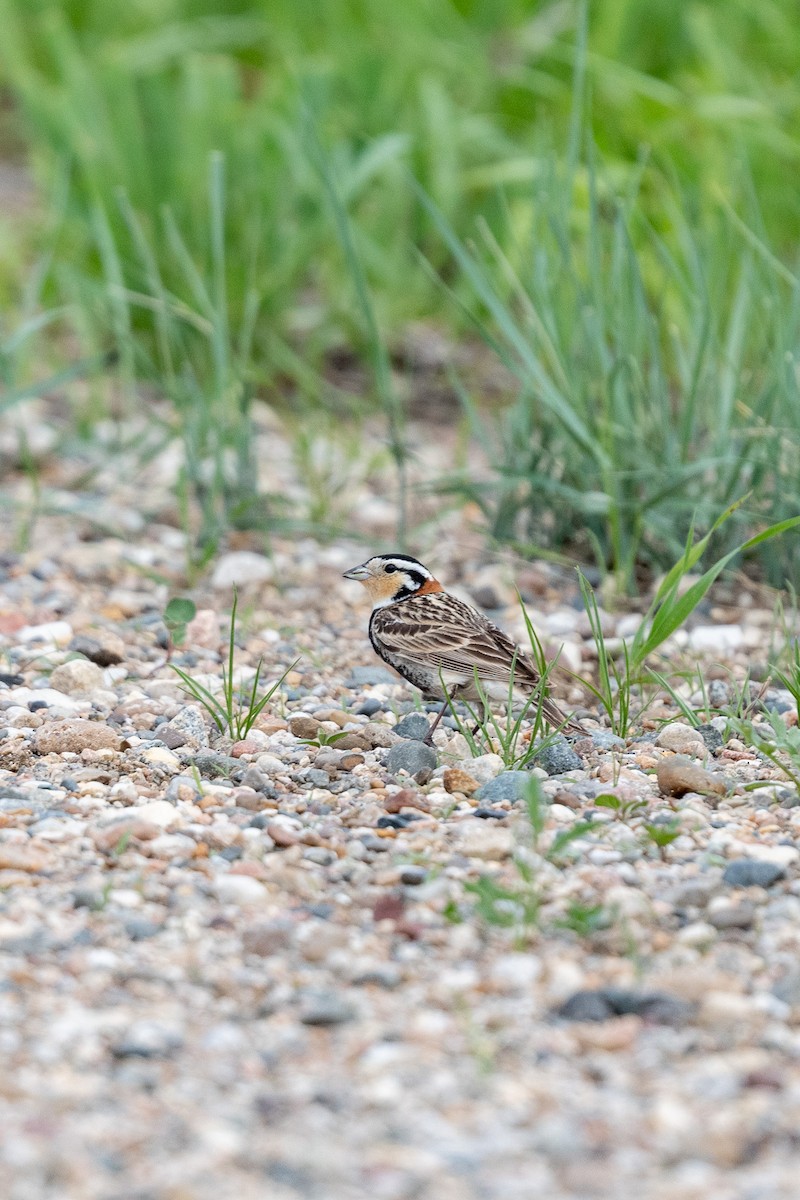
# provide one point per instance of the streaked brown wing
(441, 631)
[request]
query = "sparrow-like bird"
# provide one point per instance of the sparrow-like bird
(432, 638)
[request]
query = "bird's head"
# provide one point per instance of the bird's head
(389, 578)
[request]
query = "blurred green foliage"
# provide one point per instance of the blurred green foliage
(655, 140)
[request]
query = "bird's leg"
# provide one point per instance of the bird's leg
(428, 739)
(484, 719)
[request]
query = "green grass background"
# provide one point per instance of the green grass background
(230, 191)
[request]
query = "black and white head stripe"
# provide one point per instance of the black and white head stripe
(406, 564)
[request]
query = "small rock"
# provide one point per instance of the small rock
(159, 812)
(413, 876)
(677, 776)
(456, 780)
(104, 648)
(510, 785)
(267, 937)
(57, 632)
(326, 1008)
(244, 749)
(147, 1039)
(15, 856)
(240, 889)
(368, 676)
(711, 737)
(77, 677)
(415, 726)
(415, 758)
(241, 567)
(732, 916)
(372, 736)
(558, 757)
(586, 1006)
(745, 872)
(117, 833)
(74, 735)
(601, 1003)
(479, 839)
(187, 724)
(682, 739)
(303, 726)
(281, 834)
(604, 739)
(484, 767)
(160, 756)
(369, 708)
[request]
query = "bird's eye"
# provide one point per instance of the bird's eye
(390, 568)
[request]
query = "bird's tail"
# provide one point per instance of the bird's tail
(558, 719)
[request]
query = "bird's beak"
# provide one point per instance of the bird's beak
(360, 573)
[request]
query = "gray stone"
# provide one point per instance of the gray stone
(105, 650)
(368, 676)
(415, 758)
(733, 916)
(558, 757)
(412, 876)
(77, 677)
(259, 782)
(604, 739)
(188, 725)
(748, 872)
(326, 1008)
(601, 1003)
(212, 764)
(711, 736)
(509, 785)
(147, 1039)
(414, 726)
(240, 567)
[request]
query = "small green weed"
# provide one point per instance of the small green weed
(623, 809)
(237, 711)
(662, 836)
(518, 905)
(777, 741)
(671, 606)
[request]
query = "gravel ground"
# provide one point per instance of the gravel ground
(256, 968)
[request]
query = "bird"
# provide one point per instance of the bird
(439, 644)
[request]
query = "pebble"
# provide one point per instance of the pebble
(732, 916)
(604, 739)
(369, 676)
(241, 567)
(479, 839)
(746, 872)
(23, 858)
(189, 725)
(103, 648)
(558, 757)
(677, 776)
(414, 726)
(73, 736)
(303, 726)
(415, 758)
(683, 739)
(240, 889)
(711, 737)
(326, 1008)
(509, 786)
(58, 633)
(78, 677)
(456, 780)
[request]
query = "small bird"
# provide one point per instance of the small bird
(432, 638)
